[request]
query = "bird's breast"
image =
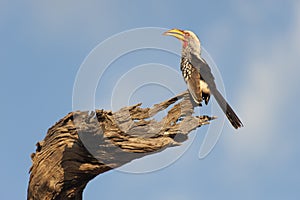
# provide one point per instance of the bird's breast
(187, 69)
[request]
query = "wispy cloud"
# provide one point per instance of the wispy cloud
(271, 77)
(58, 18)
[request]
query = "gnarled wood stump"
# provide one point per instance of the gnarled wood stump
(84, 144)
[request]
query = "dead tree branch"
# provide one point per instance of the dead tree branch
(84, 144)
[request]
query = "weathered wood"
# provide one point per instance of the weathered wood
(84, 144)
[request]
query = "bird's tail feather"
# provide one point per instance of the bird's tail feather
(230, 114)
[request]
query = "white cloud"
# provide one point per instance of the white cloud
(64, 17)
(269, 81)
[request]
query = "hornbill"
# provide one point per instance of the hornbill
(197, 74)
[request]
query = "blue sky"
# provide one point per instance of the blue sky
(255, 45)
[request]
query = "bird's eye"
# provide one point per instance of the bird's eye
(186, 33)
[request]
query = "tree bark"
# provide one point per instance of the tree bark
(84, 144)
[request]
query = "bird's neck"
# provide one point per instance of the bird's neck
(188, 51)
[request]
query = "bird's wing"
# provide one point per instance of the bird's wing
(205, 73)
(204, 70)
(193, 83)
(192, 78)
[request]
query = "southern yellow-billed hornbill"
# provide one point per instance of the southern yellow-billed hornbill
(197, 74)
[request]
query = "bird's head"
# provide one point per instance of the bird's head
(190, 41)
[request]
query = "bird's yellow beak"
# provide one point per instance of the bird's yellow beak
(179, 34)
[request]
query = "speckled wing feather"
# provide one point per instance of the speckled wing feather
(192, 78)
